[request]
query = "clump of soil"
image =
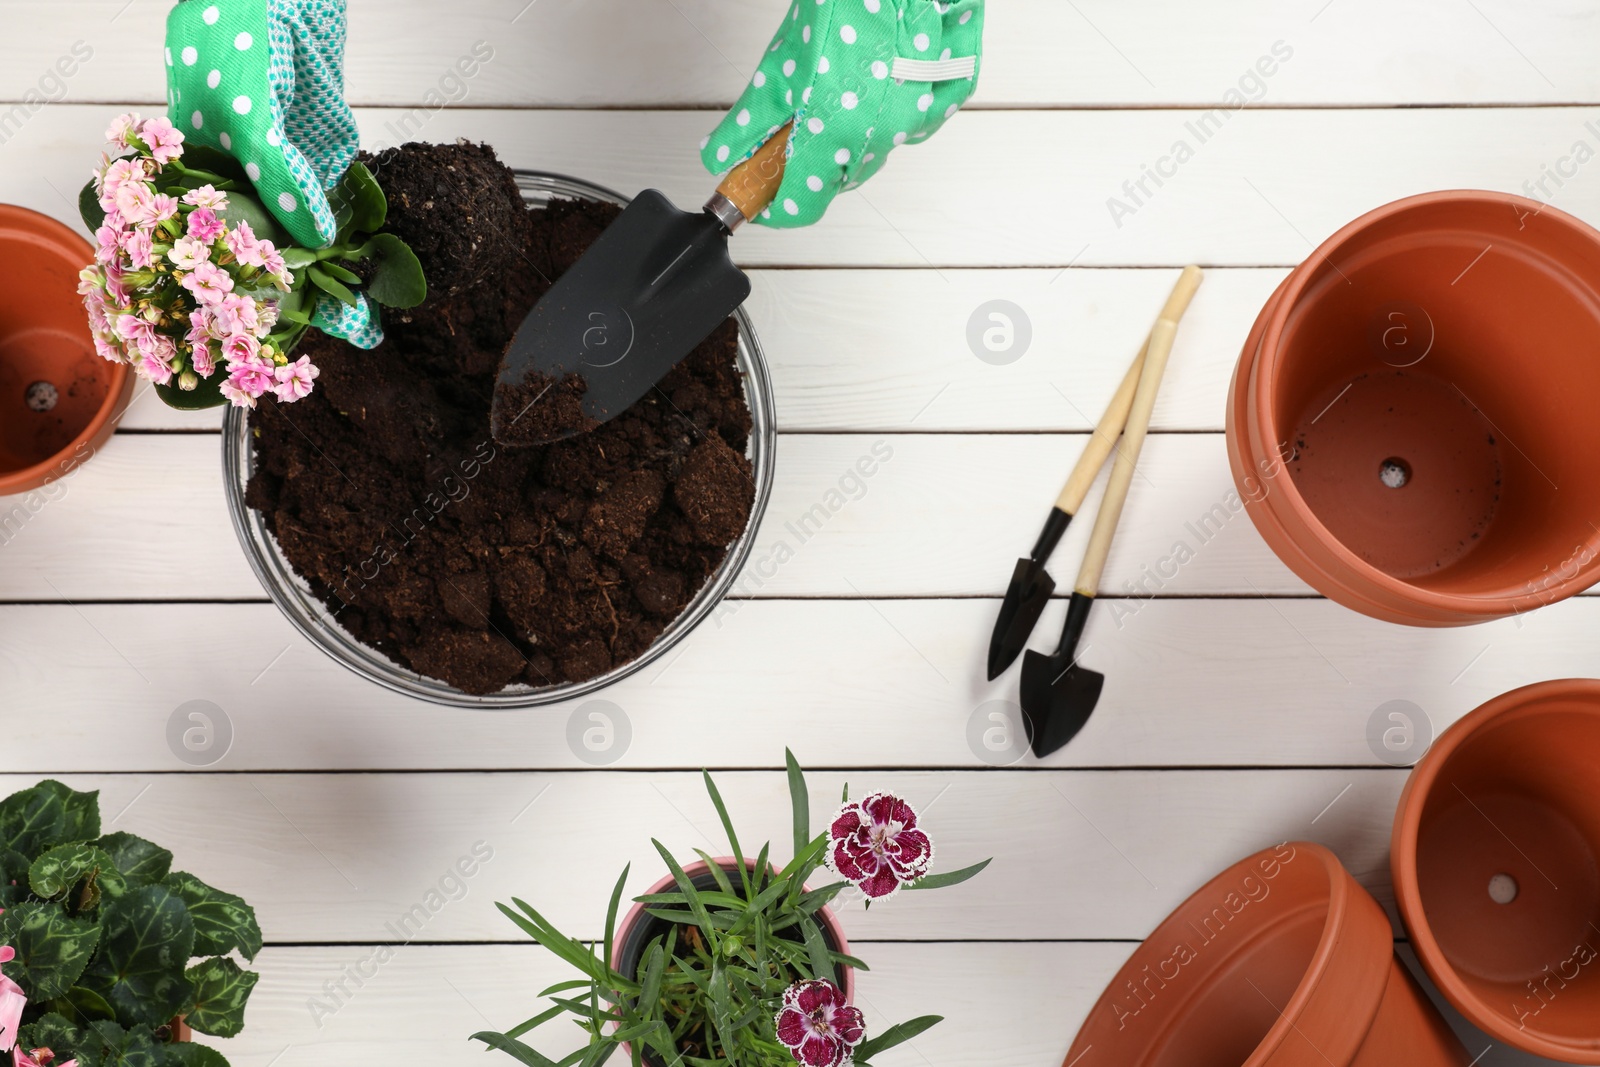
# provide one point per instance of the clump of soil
(473, 563)
(455, 205)
(541, 408)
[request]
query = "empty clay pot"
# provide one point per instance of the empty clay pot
(1282, 959)
(59, 400)
(1406, 423)
(1496, 857)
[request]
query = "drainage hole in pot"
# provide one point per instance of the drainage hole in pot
(1503, 889)
(1394, 472)
(41, 396)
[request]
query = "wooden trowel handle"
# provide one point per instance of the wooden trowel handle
(753, 184)
(1144, 401)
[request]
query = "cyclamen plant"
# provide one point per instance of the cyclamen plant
(96, 934)
(743, 976)
(188, 286)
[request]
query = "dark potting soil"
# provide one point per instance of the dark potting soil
(541, 408)
(476, 564)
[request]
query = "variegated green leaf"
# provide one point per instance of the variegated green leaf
(140, 862)
(221, 989)
(58, 870)
(148, 938)
(222, 921)
(52, 947)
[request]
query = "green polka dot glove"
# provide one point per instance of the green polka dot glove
(263, 80)
(858, 78)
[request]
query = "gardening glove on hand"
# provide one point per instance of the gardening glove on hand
(263, 80)
(857, 78)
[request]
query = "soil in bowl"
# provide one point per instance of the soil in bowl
(472, 563)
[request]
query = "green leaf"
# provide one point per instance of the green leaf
(199, 157)
(222, 921)
(141, 862)
(64, 866)
(208, 394)
(611, 913)
(398, 281)
(799, 802)
(94, 216)
(53, 1031)
(148, 938)
(243, 207)
(32, 820)
(343, 274)
(817, 950)
(190, 1054)
(510, 1045)
(895, 1035)
(52, 947)
(727, 828)
(358, 202)
(122, 1048)
(297, 257)
(948, 878)
(83, 1004)
(221, 988)
(334, 288)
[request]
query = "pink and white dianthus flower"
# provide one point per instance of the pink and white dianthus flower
(294, 379)
(817, 1026)
(204, 226)
(164, 140)
(208, 282)
(875, 843)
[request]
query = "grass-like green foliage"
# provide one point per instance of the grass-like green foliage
(104, 931)
(715, 980)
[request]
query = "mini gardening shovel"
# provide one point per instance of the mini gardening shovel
(1058, 694)
(654, 285)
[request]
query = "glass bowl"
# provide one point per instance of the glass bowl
(311, 617)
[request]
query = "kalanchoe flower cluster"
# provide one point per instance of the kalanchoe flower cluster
(176, 291)
(817, 1025)
(875, 844)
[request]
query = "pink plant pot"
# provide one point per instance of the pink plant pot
(636, 918)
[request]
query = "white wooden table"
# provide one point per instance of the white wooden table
(1236, 710)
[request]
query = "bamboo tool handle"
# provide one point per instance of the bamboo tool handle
(1104, 438)
(751, 185)
(1144, 401)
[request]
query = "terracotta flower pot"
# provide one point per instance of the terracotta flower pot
(637, 929)
(1281, 960)
(1406, 425)
(1496, 857)
(59, 400)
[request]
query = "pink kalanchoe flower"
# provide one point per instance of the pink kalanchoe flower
(164, 141)
(116, 288)
(208, 282)
(108, 240)
(117, 174)
(253, 376)
(202, 358)
(816, 1025)
(207, 196)
(107, 348)
(875, 843)
(240, 314)
(152, 366)
(163, 207)
(136, 331)
(121, 126)
(140, 248)
(294, 380)
(272, 262)
(204, 226)
(239, 348)
(241, 241)
(12, 1001)
(136, 201)
(188, 253)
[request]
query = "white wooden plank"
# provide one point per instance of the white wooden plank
(889, 349)
(1190, 683)
(1005, 1005)
(1003, 188)
(1089, 855)
(698, 52)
